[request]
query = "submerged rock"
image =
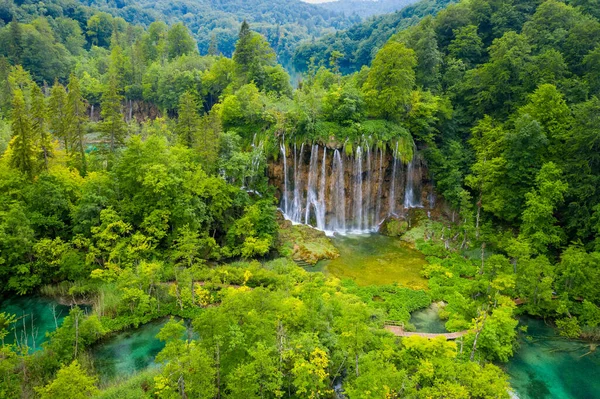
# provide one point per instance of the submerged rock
(304, 244)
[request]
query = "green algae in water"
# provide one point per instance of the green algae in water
(375, 260)
(128, 352)
(40, 311)
(428, 320)
(548, 366)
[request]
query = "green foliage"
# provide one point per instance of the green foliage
(390, 81)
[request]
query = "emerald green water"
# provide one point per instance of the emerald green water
(376, 260)
(123, 354)
(35, 319)
(428, 320)
(547, 366)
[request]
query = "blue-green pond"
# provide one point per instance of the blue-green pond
(36, 316)
(125, 353)
(548, 366)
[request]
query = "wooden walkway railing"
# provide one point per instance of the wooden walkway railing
(398, 330)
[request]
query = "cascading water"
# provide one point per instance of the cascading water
(340, 193)
(367, 215)
(392, 197)
(286, 193)
(412, 198)
(379, 188)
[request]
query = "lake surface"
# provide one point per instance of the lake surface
(125, 353)
(36, 316)
(375, 260)
(547, 366)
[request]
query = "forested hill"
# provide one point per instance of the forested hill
(359, 44)
(283, 22)
(366, 8)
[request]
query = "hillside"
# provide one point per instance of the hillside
(366, 8)
(284, 23)
(360, 43)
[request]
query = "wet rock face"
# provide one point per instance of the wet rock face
(334, 191)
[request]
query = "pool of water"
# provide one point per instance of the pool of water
(130, 351)
(36, 316)
(428, 320)
(547, 366)
(375, 260)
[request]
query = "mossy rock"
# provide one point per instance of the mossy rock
(393, 227)
(304, 244)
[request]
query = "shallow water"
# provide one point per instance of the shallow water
(128, 352)
(428, 321)
(375, 260)
(35, 314)
(548, 366)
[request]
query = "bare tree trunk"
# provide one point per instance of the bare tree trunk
(477, 336)
(181, 383)
(482, 257)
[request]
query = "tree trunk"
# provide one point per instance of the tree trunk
(477, 336)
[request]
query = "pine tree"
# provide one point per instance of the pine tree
(243, 49)
(23, 154)
(39, 115)
(188, 122)
(15, 42)
(113, 126)
(213, 48)
(209, 140)
(57, 110)
(77, 115)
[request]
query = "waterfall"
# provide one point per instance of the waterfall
(312, 200)
(379, 188)
(92, 112)
(295, 211)
(358, 190)
(367, 211)
(392, 205)
(286, 193)
(412, 194)
(339, 194)
(314, 187)
(322, 203)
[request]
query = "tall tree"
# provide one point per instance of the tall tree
(77, 115)
(113, 126)
(15, 42)
(252, 56)
(539, 225)
(179, 41)
(57, 110)
(188, 121)
(390, 81)
(39, 115)
(23, 153)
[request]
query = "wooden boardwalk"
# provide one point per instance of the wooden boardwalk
(399, 332)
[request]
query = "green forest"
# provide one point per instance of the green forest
(213, 24)
(138, 149)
